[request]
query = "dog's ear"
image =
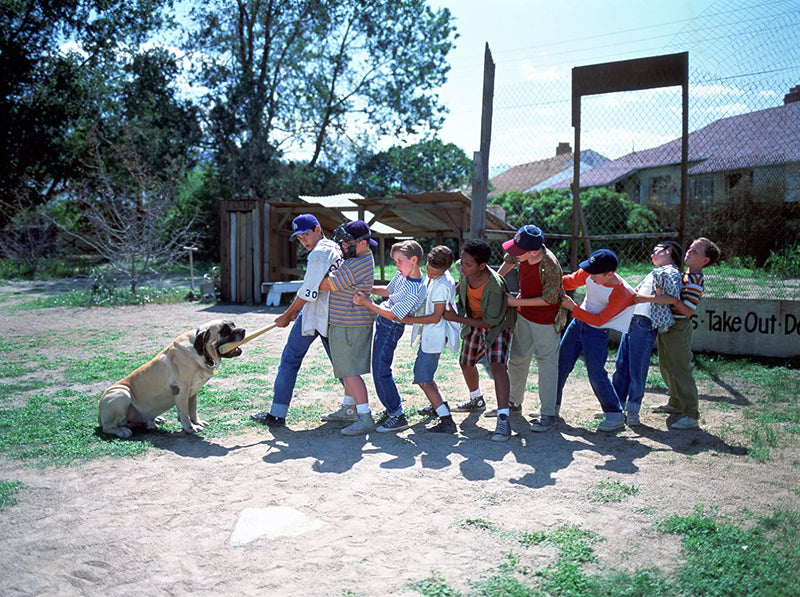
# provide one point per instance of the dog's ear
(200, 341)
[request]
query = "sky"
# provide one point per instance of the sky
(535, 45)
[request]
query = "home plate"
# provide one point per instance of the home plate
(275, 521)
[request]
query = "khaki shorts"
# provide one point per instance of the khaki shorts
(350, 349)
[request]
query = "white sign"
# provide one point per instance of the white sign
(748, 327)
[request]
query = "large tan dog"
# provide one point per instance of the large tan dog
(171, 378)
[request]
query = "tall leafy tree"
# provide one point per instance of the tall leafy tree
(301, 75)
(423, 167)
(50, 95)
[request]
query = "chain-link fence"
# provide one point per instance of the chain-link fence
(743, 167)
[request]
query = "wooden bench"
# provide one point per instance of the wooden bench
(274, 290)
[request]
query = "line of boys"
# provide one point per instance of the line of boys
(488, 321)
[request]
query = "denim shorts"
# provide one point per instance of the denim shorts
(425, 366)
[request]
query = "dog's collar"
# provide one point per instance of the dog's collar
(209, 361)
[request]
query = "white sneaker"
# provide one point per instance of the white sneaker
(666, 408)
(686, 423)
(363, 425)
(611, 425)
(346, 414)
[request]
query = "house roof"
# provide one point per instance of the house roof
(527, 177)
(762, 138)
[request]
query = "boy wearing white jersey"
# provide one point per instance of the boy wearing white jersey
(309, 311)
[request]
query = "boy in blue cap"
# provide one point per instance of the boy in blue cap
(309, 311)
(608, 305)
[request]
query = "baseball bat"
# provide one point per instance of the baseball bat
(229, 346)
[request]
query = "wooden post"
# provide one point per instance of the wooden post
(480, 163)
(684, 155)
(191, 266)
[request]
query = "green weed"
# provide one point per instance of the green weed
(8, 490)
(724, 559)
(611, 491)
(109, 297)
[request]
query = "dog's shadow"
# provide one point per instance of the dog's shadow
(190, 445)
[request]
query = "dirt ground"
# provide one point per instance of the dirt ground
(374, 514)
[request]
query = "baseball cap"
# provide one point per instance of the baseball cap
(303, 223)
(600, 262)
(359, 230)
(527, 238)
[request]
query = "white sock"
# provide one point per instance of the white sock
(348, 400)
(443, 411)
(503, 411)
(476, 393)
(362, 409)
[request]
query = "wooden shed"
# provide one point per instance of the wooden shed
(256, 249)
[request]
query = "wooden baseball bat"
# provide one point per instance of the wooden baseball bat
(229, 346)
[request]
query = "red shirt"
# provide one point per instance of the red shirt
(530, 286)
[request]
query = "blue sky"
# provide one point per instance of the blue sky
(536, 44)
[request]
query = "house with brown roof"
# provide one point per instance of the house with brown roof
(546, 173)
(762, 148)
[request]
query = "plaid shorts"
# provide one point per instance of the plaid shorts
(473, 347)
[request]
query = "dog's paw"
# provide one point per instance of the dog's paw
(121, 432)
(192, 428)
(200, 423)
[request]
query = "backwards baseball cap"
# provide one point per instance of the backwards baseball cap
(600, 262)
(527, 238)
(357, 230)
(303, 223)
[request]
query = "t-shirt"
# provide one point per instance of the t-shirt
(691, 292)
(354, 275)
(530, 286)
(605, 306)
(323, 259)
(406, 295)
(435, 336)
(474, 296)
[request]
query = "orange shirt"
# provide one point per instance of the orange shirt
(474, 296)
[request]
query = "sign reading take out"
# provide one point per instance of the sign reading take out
(748, 327)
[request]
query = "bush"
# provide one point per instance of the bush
(605, 211)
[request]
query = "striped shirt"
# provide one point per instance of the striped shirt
(353, 275)
(406, 295)
(691, 292)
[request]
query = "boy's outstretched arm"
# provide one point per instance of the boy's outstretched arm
(435, 317)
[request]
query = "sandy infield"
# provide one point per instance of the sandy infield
(322, 514)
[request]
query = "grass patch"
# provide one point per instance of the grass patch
(725, 559)
(606, 492)
(8, 491)
(721, 559)
(768, 388)
(58, 429)
(110, 297)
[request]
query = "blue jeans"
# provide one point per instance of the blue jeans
(581, 338)
(633, 361)
(294, 351)
(387, 335)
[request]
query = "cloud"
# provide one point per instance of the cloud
(714, 91)
(535, 75)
